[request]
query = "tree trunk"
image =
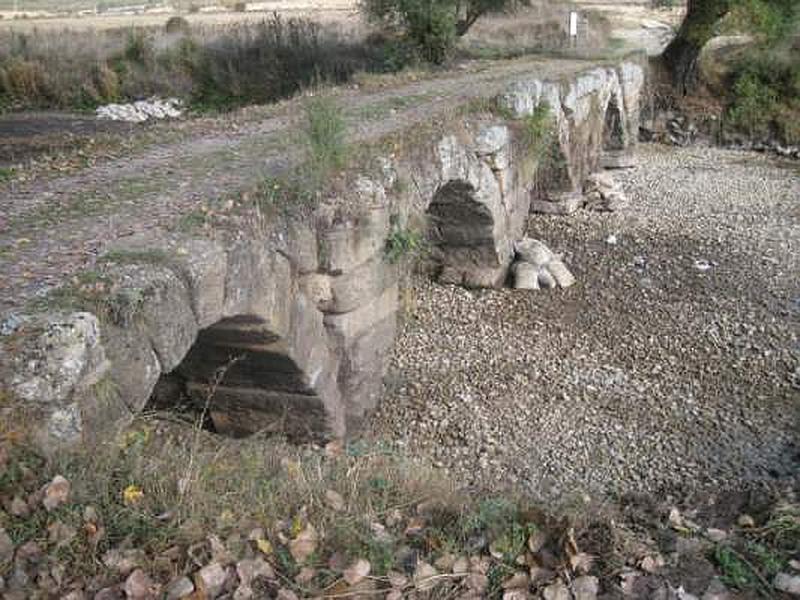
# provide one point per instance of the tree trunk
(680, 56)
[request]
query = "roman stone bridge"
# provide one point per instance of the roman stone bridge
(281, 318)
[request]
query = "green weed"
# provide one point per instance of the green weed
(150, 257)
(325, 136)
(404, 243)
(753, 105)
(6, 174)
(538, 129)
(192, 221)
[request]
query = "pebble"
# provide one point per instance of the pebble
(56, 493)
(787, 583)
(556, 591)
(649, 380)
(716, 535)
(585, 588)
(211, 579)
(6, 547)
(180, 588)
(139, 586)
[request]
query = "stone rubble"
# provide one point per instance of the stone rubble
(787, 583)
(603, 193)
(142, 110)
(537, 267)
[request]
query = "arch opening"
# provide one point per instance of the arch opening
(241, 374)
(464, 236)
(613, 127)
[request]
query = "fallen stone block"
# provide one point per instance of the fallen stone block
(562, 204)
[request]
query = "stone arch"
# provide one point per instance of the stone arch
(614, 127)
(254, 379)
(465, 232)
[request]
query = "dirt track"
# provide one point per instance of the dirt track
(54, 224)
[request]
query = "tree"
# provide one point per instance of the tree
(680, 56)
(769, 18)
(433, 25)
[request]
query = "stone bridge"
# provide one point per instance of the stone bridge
(286, 326)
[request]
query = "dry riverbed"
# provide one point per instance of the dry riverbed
(672, 366)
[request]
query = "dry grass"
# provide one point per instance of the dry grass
(180, 496)
(333, 12)
(186, 484)
(215, 65)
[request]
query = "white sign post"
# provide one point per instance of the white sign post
(573, 29)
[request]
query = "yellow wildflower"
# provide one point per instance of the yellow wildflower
(132, 495)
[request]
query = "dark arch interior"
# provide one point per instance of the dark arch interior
(240, 375)
(613, 131)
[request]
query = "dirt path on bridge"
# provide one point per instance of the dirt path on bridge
(54, 225)
(673, 364)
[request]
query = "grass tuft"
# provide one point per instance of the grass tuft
(325, 137)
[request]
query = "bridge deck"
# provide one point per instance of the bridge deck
(55, 225)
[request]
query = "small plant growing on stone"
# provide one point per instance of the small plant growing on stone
(538, 129)
(404, 243)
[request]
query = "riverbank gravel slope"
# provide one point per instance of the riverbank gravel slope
(672, 366)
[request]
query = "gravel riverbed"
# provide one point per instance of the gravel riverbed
(671, 366)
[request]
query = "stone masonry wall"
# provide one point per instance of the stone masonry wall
(290, 331)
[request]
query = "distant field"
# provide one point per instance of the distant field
(319, 10)
(77, 5)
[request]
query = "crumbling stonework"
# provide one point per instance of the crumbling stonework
(289, 330)
(594, 115)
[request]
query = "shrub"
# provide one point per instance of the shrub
(138, 48)
(765, 87)
(272, 60)
(213, 67)
(753, 104)
(433, 26)
(22, 79)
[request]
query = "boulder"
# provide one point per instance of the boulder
(526, 276)
(560, 273)
(533, 251)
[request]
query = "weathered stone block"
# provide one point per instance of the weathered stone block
(317, 288)
(301, 247)
(258, 283)
(239, 412)
(361, 285)
(352, 242)
(155, 296)
(204, 264)
(345, 328)
(561, 204)
(68, 354)
(619, 159)
(135, 366)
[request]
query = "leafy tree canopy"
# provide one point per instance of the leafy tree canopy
(433, 25)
